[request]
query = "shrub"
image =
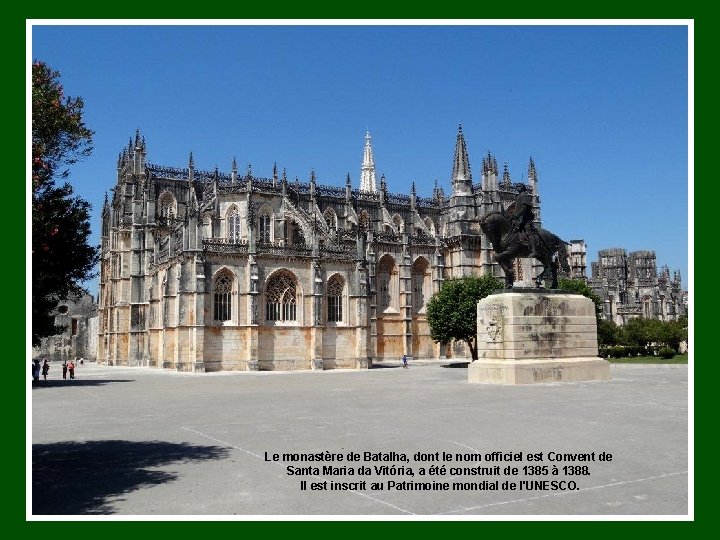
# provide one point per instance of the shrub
(666, 353)
(617, 351)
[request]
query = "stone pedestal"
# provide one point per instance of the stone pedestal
(536, 336)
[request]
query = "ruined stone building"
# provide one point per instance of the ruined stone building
(577, 253)
(631, 286)
(206, 271)
(78, 339)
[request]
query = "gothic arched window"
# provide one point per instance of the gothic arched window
(398, 222)
(335, 288)
(387, 285)
(647, 307)
(430, 226)
(264, 226)
(233, 225)
(281, 297)
(420, 284)
(167, 205)
(222, 296)
(330, 219)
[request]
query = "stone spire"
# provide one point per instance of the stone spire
(506, 175)
(532, 175)
(367, 172)
(138, 153)
(489, 173)
(461, 175)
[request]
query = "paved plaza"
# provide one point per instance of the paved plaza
(138, 441)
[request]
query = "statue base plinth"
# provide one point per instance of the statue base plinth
(538, 371)
(536, 336)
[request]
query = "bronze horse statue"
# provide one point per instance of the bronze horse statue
(509, 244)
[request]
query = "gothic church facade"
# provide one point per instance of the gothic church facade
(631, 285)
(208, 271)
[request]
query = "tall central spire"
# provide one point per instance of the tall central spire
(367, 172)
(461, 175)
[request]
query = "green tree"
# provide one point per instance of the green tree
(581, 287)
(645, 332)
(672, 333)
(61, 256)
(608, 333)
(638, 332)
(452, 312)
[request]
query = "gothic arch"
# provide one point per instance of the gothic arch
(421, 284)
(265, 225)
(232, 218)
(330, 218)
(283, 298)
(647, 307)
(336, 291)
(398, 222)
(167, 204)
(223, 287)
(429, 225)
(387, 285)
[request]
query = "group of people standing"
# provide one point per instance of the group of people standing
(36, 369)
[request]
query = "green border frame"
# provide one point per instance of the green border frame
(15, 451)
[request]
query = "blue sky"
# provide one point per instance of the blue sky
(603, 111)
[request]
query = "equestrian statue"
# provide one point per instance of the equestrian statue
(513, 234)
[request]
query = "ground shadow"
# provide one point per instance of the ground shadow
(76, 382)
(74, 477)
(383, 366)
(456, 365)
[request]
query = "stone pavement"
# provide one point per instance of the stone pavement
(138, 441)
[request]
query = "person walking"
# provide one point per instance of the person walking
(404, 362)
(35, 368)
(45, 369)
(65, 366)
(71, 369)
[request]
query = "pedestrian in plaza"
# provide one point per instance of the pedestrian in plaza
(405, 362)
(65, 366)
(71, 369)
(45, 369)
(35, 369)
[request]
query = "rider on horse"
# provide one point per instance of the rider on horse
(522, 219)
